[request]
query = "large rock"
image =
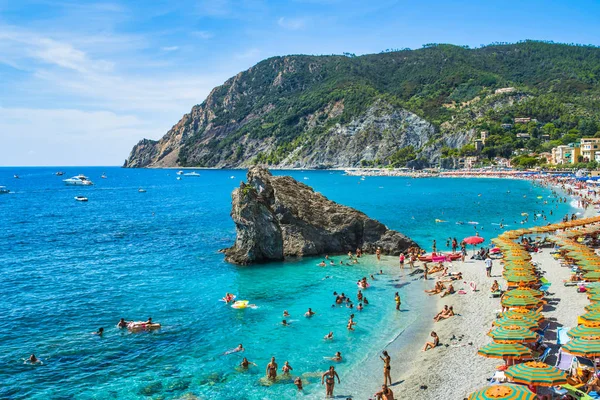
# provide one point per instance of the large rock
(278, 217)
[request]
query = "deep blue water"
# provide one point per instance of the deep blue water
(68, 268)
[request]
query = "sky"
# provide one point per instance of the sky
(81, 82)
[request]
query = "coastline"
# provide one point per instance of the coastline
(453, 369)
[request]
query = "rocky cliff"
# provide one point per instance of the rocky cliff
(278, 217)
(402, 108)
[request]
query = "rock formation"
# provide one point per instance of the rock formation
(278, 217)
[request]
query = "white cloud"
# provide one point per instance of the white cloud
(170, 48)
(66, 136)
(202, 34)
(291, 23)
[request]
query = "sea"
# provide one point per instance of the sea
(68, 268)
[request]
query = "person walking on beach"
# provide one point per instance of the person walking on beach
(402, 260)
(488, 266)
(329, 378)
(398, 301)
(386, 367)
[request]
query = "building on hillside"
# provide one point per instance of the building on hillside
(471, 161)
(590, 149)
(505, 90)
(502, 162)
(524, 120)
(478, 145)
(561, 155)
(547, 156)
(506, 126)
(484, 135)
(545, 138)
(523, 135)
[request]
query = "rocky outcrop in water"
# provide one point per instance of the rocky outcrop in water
(278, 217)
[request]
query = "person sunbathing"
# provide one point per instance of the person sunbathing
(437, 268)
(445, 315)
(385, 393)
(453, 278)
(448, 291)
(431, 345)
(439, 286)
(495, 286)
(593, 384)
(444, 310)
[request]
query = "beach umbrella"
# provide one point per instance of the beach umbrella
(594, 275)
(524, 292)
(523, 322)
(503, 392)
(513, 334)
(582, 330)
(520, 312)
(474, 240)
(591, 316)
(593, 307)
(536, 373)
(590, 324)
(594, 297)
(513, 278)
(508, 301)
(585, 346)
(505, 350)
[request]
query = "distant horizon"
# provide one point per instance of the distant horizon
(85, 80)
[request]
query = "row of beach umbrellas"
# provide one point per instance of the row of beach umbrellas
(517, 326)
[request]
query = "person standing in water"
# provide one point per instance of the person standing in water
(434, 247)
(402, 258)
(329, 379)
(386, 367)
(378, 253)
(245, 363)
(398, 301)
(286, 368)
(272, 369)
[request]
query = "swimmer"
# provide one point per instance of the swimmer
(380, 272)
(236, 350)
(271, 370)
(359, 296)
(351, 323)
(286, 313)
(372, 277)
(329, 336)
(349, 254)
(365, 301)
(122, 324)
(298, 383)
(337, 357)
(284, 323)
(331, 263)
(309, 313)
(149, 322)
(360, 307)
(33, 360)
(245, 363)
(322, 264)
(99, 333)
(286, 368)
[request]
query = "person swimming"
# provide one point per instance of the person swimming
(329, 336)
(33, 360)
(359, 307)
(365, 301)
(122, 324)
(236, 350)
(322, 264)
(245, 363)
(286, 368)
(285, 323)
(309, 313)
(337, 357)
(286, 313)
(99, 332)
(298, 383)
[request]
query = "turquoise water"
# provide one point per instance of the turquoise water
(68, 268)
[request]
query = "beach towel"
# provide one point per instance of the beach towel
(562, 336)
(564, 361)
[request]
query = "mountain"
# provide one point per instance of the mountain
(396, 108)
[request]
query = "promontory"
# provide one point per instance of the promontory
(278, 217)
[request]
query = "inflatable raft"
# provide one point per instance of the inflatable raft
(142, 326)
(440, 257)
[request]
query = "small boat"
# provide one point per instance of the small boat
(79, 180)
(103, 176)
(178, 178)
(191, 174)
(59, 173)
(16, 176)
(140, 190)
(4, 190)
(179, 172)
(81, 198)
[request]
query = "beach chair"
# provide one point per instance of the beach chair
(564, 361)
(561, 336)
(543, 356)
(576, 393)
(545, 281)
(498, 378)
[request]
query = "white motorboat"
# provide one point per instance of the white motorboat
(179, 172)
(142, 190)
(191, 174)
(4, 190)
(103, 176)
(79, 180)
(16, 176)
(81, 198)
(178, 178)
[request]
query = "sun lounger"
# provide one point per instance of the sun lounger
(543, 356)
(498, 377)
(497, 293)
(576, 393)
(564, 362)
(562, 336)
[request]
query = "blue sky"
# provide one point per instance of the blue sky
(83, 81)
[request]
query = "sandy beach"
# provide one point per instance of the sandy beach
(453, 370)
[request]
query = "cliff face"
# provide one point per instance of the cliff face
(393, 109)
(278, 217)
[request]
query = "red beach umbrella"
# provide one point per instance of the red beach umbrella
(474, 240)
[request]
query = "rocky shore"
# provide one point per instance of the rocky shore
(278, 217)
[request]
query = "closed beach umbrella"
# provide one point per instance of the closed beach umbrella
(585, 346)
(536, 374)
(524, 292)
(505, 350)
(534, 315)
(523, 322)
(583, 330)
(503, 392)
(513, 334)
